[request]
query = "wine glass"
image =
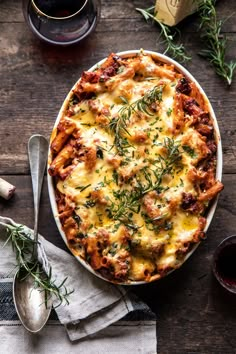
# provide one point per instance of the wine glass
(61, 22)
(223, 265)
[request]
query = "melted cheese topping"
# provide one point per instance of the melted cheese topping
(131, 199)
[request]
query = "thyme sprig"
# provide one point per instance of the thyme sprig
(214, 40)
(22, 245)
(176, 50)
(119, 123)
(149, 179)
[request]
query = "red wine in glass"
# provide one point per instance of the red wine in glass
(61, 22)
(224, 263)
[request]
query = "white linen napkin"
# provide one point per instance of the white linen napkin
(100, 317)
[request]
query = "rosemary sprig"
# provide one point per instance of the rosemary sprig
(176, 50)
(22, 245)
(143, 104)
(127, 204)
(214, 40)
(129, 201)
(163, 165)
(119, 124)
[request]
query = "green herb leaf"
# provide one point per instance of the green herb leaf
(82, 188)
(148, 179)
(118, 124)
(168, 112)
(215, 42)
(23, 247)
(176, 50)
(189, 151)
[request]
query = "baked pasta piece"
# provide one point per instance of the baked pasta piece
(133, 160)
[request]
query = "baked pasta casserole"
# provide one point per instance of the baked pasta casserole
(133, 161)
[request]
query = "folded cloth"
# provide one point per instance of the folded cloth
(100, 317)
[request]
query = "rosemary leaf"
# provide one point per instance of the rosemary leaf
(129, 201)
(118, 125)
(176, 50)
(215, 41)
(22, 245)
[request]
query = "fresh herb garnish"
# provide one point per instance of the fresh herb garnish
(115, 176)
(82, 188)
(157, 224)
(100, 185)
(23, 246)
(189, 151)
(143, 104)
(86, 124)
(90, 204)
(176, 50)
(127, 201)
(119, 124)
(148, 179)
(154, 121)
(215, 42)
(163, 165)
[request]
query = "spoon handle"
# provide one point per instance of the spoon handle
(37, 152)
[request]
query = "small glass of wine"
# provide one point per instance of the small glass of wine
(224, 263)
(61, 22)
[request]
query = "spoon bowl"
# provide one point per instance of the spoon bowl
(32, 304)
(31, 308)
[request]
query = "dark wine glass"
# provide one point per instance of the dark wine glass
(224, 263)
(61, 22)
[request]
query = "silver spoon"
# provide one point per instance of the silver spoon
(29, 300)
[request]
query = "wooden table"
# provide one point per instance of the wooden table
(195, 315)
